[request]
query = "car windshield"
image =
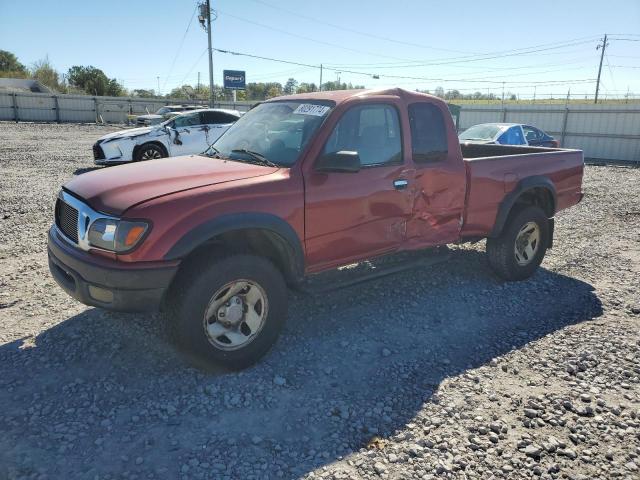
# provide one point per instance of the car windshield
(481, 132)
(272, 132)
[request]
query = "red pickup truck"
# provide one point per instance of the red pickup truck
(300, 184)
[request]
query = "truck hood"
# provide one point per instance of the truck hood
(129, 133)
(113, 190)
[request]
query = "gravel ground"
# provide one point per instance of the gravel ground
(440, 372)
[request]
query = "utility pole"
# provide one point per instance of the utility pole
(158, 85)
(320, 87)
(204, 18)
(603, 46)
(198, 86)
(211, 92)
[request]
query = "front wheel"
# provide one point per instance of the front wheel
(520, 248)
(231, 311)
(149, 151)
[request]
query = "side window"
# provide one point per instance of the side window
(531, 133)
(428, 133)
(187, 120)
(371, 130)
(213, 118)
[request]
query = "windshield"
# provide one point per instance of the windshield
(481, 132)
(163, 110)
(276, 131)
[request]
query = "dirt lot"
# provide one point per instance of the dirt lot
(438, 373)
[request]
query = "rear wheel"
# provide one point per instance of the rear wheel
(520, 248)
(149, 151)
(230, 312)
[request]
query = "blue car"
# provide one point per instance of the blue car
(508, 134)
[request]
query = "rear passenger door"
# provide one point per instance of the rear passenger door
(439, 187)
(189, 135)
(351, 216)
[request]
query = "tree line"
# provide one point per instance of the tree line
(90, 80)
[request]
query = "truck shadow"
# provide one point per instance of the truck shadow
(357, 365)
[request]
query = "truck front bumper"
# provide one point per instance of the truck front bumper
(105, 283)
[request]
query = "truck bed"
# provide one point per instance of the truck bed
(493, 171)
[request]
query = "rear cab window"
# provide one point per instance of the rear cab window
(428, 133)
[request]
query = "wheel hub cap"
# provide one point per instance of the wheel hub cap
(527, 243)
(235, 315)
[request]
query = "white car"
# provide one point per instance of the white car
(186, 134)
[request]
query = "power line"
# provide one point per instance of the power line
(561, 82)
(485, 56)
(321, 42)
(357, 32)
(194, 66)
(179, 48)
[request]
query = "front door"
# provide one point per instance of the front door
(351, 216)
(188, 135)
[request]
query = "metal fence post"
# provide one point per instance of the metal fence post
(504, 115)
(57, 107)
(564, 125)
(15, 107)
(97, 111)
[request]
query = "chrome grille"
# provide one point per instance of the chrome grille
(67, 220)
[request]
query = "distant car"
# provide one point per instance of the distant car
(186, 134)
(162, 114)
(508, 134)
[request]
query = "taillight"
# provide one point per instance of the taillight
(555, 143)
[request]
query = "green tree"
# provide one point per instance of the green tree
(93, 81)
(10, 66)
(43, 71)
(142, 93)
(307, 87)
(290, 87)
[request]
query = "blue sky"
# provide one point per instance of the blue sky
(434, 43)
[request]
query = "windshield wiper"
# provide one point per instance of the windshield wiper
(256, 156)
(216, 152)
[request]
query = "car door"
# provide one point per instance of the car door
(512, 136)
(188, 135)
(351, 216)
(216, 124)
(440, 178)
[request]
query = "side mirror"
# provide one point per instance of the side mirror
(343, 161)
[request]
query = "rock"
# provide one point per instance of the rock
(280, 381)
(386, 352)
(533, 451)
(379, 468)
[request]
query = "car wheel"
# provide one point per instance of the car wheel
(520, 248)
(149, 151)
(230, 311)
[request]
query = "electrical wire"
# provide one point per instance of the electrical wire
(173, 62)
(357, 32)
(399, 76)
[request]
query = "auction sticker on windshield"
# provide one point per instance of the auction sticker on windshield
(310, 109)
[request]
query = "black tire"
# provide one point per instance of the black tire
(501, 250)
(194, 289)
(149, 151)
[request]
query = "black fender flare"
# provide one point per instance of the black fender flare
(536, 181)
(242, 221)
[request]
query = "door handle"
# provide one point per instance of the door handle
(400, 184)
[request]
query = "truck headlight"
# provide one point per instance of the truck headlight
(116, 235)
